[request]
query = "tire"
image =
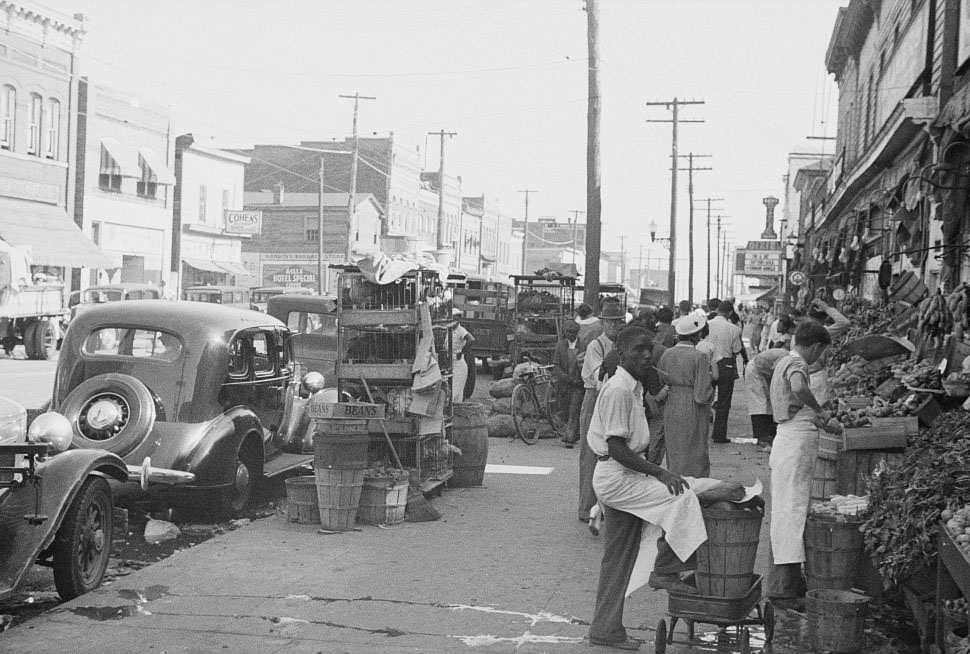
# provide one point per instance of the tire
(526, 414)
(472, 364)
(83, 543)
(660, 641)
(236, 500)
(768, 617)
(555, 412)
(123, 394)
(28, 339)
(43, 344)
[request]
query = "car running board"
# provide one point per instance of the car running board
(284, 462)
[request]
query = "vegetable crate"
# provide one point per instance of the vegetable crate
(883, 434)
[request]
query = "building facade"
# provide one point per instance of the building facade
(208, 226)
(124, 184)
(38, 120)
(286, 251)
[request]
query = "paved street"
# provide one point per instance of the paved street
(507, 568)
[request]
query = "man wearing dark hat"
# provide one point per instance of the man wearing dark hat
(598, 365)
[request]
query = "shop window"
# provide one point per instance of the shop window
(36, 126)
(146, 188)
(8, 105)
(53, 122)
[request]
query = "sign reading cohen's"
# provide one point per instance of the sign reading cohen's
(243, 222)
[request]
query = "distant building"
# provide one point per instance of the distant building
(286, 252)
(208, 227)
(38, 100)
(548, 240)
(124, 183)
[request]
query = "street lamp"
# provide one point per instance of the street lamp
(653, 234)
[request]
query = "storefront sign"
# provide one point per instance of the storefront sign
(289, 275)
(348, 410)
(243, 222)
(759, 263)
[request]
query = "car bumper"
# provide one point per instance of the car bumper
(146, 475)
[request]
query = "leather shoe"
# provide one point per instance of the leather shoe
(670, 582)
(628, 644)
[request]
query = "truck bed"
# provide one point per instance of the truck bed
(37, 300)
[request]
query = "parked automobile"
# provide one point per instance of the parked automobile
(261, 294)
(93, 295)
(200, 399)
(55, 503)
(313, 321)
(231, 296)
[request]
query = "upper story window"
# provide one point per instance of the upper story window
(312, 228)
(203, 192)
(8, 105)
(53, 123)
(147, 186)
(34, 118)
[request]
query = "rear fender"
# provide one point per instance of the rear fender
(211, 452)
(61, 478)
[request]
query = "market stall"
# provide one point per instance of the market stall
(541, 304)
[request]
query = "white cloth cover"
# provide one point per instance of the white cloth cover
(792, 464)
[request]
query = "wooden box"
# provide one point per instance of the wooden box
(874, 438)
(855, 466)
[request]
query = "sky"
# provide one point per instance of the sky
(510, 78)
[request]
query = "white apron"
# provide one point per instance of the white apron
(460, 375)
(757, 389)
(648, 499)
(792, 464)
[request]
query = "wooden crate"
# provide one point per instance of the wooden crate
(853, 467)
(875, 437)
(909, 423)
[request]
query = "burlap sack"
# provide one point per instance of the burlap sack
(500, 426)
(502, 405)
(502, 387)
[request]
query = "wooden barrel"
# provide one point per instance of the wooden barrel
(470, 434)
(832, 553)
(725, 561)
(301, 500)
(836, 620)
(824, 480)
(383, 499)
(338, 496)
(340, 444)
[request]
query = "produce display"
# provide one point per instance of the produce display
(860, 417)
(907, 499)
(919, 375)
(839, 507)
(958, 524)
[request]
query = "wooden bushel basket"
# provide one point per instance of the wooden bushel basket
(725, 561)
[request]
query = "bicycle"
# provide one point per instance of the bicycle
(534, 402)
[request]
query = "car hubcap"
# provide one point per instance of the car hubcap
(241, 481)
(103, 417)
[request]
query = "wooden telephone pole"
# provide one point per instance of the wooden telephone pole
(351, 207)
(674, 105)
(440, 238)
(594, 203)
(707, 290)
(525, 230)
(690, 226)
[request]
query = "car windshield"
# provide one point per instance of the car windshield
(133, 342)
(93, 295)
(204, 296)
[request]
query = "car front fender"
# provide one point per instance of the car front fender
(61, 477)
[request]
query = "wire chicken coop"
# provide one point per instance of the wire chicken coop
(541, 304)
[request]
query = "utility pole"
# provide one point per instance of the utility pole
(575, 213)
(718, 251)
(441, 188)
(690, 227)
(640, 269)
(674, 106)
(320, 266)
(525, 235)
(623, 259)
(708, 265)
(351, 208)
(594, 203)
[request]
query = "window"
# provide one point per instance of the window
(53, 122)
(262, 358)
(109, 178)
(225, 199)
(146, 187)
(139, 343)
(203, 191)
(312, 228)
(8, 105)
(35, 117)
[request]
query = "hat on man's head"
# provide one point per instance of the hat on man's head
(691, 324)
(611, 310)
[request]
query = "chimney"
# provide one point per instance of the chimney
(769, 233)
(278, 193)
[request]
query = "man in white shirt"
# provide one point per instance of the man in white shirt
(725, 336)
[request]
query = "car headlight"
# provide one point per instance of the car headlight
(313, 382)
(13, 421)
(51, 428)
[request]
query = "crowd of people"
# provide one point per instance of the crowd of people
(656, 390)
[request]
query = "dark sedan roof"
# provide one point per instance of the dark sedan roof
(301, 302)
(177, 316)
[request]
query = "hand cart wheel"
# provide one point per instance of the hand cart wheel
(745, 641)
(768, 619)
(660, 642)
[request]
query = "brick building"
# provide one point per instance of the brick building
(38, 111)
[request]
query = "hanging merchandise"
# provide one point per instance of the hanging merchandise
(885, 274)
(854, 245)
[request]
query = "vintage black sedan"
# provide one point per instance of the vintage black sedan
(55, 503)
(193, 396)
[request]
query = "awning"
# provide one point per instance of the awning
(122, 160)
(232, 268)
(158, 172)
(50, 235)
(768, 295)
(203, 264)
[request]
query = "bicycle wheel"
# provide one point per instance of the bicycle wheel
(526, 414)
(553, 409)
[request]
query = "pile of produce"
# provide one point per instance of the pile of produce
(958, 524)
(919, 375)
(939, 314)
(840, 506)
(880, 408)
(907, 499)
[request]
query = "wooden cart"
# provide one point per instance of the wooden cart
(379, 330)
(541, 304)
(486, 313)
